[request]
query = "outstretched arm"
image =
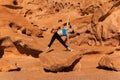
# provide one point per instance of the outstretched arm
(68, 24)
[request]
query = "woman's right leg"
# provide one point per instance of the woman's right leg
(53, 39)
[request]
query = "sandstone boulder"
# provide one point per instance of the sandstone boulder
(20, 64)
(111, 61)
(7, 65)
(58, 62)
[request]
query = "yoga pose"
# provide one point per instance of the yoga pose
(63, 32)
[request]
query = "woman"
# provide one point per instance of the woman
(63, 32)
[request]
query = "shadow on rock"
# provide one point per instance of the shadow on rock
(105, 68)
(28, 51)
(12, 7)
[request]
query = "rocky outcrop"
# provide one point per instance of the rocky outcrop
(23, 27)
(57, 62)
(18, 33)
(23, 44)
(101, 26)
(111, 61)
(109, 29)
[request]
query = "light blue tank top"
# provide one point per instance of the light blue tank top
(64, 32)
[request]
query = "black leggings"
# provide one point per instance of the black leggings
(56, 35)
